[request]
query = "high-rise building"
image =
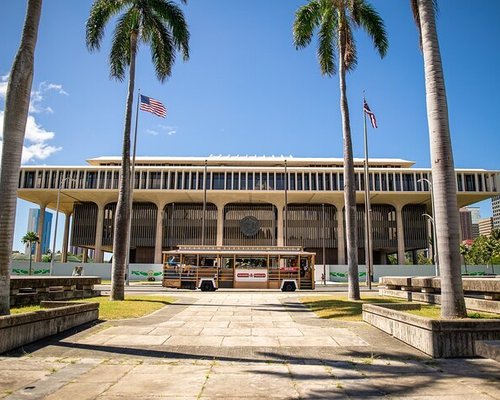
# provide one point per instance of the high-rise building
(34, 215)
(485, 226)
(475, 217)
(466, 224)
(495, 205)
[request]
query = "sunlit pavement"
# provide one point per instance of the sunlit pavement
(237, 345)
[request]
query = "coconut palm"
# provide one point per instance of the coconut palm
(14, 125)
(30, 239)
(161, 25)
(443, 169)
(335, 21)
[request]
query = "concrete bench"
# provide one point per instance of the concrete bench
(25, 290)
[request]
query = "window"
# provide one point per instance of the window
(250, 181)
(218, 181)
(408, 183)
(280, 181)
(271, 181)
(328, 183)
(236, 180)
(292, 179)
(470, 184)
(313, 181)
(299, 181)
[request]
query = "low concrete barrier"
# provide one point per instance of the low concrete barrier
(437, 338)
(21, 329)
(26, 290)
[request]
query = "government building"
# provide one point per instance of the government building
(215, 200)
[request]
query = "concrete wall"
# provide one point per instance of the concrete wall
(338, 273)
(437, 338)
(20, 329)
(139, 272)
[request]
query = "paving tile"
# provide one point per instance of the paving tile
(176, 331)
(280, 332)
(226, 332)
(125, 330)
(174, 323)
(308, 341)
(105, 373)
(79, 391)
(212, 341)
(207, 324)
(253, 341)
(136, 340)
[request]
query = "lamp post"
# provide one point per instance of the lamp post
(53, 255)
(433, 221)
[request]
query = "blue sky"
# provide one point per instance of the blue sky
(246, 90)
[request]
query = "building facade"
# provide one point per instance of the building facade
(485, 226)
(466, 224)
(33, 224)
(217, 199)
(495, 205)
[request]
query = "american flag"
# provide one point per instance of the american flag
(369, 112)
(153, 106)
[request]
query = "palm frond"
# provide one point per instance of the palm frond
(173, 17)
(327, 41)
(307, 19)
(365, 15)
(100, 13)
(119, 56)
(161, 43)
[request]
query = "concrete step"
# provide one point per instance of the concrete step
(488, 349)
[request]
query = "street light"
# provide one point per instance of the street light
(53, 255)
(432, 219)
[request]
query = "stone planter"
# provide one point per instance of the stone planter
(437, 338)
(20, 329)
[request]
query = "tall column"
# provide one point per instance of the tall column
(220, 224)
(401, 235)
(340, 235)
(98, 255)
(64, 251)
(281, 227)
(159, 233)
(40, 233)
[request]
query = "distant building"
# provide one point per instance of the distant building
(34, 214)
(466, 224)
(475, 217)
(485, 226)
(495, 205)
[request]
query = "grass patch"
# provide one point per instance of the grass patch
(24, 309)
(338, 307)
(432, 311)
(131, 307)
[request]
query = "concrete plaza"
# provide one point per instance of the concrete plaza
(237, 345)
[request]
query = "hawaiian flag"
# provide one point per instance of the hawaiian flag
(369, 112)
(153, 106)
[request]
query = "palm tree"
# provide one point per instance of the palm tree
(335, 21)
(161, 24)
(30, 239)
(443, 169)
(14, 126)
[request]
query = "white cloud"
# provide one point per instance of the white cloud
(152, 132)
(38, 96)
(169, 130)
(36, 137)
(3, 85)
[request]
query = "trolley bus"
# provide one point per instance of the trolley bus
(244, 267)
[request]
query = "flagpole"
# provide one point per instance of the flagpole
(285, 239)
(204, 204)
(131, 188)
(368, 210)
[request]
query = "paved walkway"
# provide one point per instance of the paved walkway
(237, 345)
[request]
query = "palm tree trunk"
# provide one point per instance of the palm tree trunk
(443, 170)
(349, 188)
(120, 234)
(14, 126)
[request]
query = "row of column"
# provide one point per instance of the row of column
(99, 255)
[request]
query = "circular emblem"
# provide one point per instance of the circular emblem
(249, 226)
